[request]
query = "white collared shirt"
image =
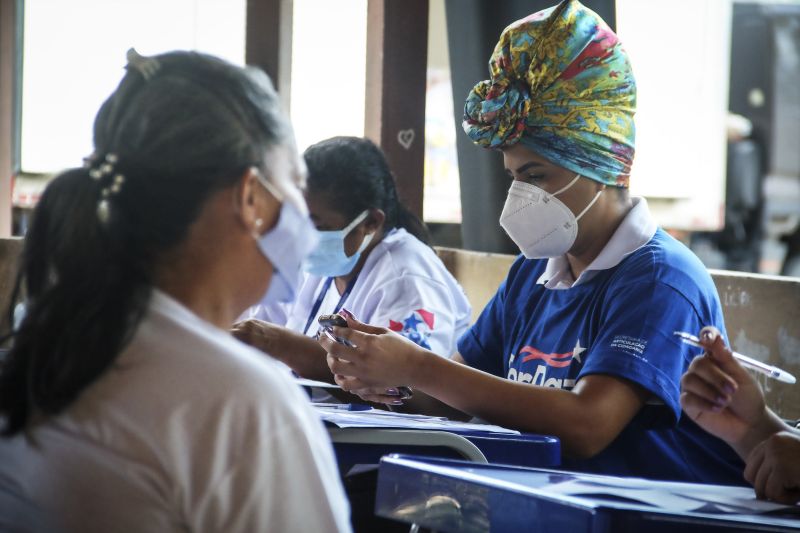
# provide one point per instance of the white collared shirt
(636, 230)
(189, 430)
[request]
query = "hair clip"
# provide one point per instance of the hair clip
(102, 170)
(103, 211)
(146, 66)
(99, 168)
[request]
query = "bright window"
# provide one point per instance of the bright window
(442, 196)
(682, 105)
(74, 54)
(329, 63)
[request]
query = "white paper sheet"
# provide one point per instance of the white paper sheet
(377, 418)
(677, 497)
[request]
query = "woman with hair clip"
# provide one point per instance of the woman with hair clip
(126, 404)
(372, 259)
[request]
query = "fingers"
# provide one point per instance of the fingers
(775, 487)
(348, 383)
(355, 324)
(386, 399)
(248, 331)
(695, 406)
(715, 346)
(371, 394)
(355, 337)
(753, 468)
(708, 381)
(331, 346)
(340, 366)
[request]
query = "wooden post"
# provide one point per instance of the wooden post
(10, 32)
(268, 42)
(397, 57)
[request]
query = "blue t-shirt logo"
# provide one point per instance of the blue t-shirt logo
(559, 370)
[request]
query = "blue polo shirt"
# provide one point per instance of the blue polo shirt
(617, 321)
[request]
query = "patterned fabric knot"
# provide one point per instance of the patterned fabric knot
(495, 113)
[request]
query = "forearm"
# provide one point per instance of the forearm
(302, 354)
(578, 424)
(428, 405)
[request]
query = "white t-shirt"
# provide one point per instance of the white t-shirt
(190, 430)
(405, 287)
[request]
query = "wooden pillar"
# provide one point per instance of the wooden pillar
(10, 71)
(397, 57)
(268, 43)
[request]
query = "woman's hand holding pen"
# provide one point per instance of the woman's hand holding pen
(724, 399)
(381, 360)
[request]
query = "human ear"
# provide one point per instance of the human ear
(375, 220)
(254, 205)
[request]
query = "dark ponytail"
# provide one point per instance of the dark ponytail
(353, 173)
(163, 145)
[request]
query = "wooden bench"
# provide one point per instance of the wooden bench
(762, 314)
(10, 251)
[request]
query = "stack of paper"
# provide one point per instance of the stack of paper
(377, 418)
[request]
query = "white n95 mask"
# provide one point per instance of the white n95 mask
(538, 222)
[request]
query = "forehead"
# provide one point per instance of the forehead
(324, 209)
(516, 156)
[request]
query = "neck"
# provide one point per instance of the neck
(212, 282)
(204, 297)
(604, 224)
(342, 281)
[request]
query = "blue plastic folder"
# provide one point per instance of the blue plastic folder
(452, 495)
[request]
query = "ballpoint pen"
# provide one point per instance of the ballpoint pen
(342, 406)
(748, 362)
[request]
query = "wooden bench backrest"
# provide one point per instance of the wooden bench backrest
(10, 251)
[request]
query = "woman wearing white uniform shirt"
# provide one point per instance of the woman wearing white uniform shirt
(372, 259)
(126, 404)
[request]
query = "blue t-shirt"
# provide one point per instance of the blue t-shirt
(619, 323)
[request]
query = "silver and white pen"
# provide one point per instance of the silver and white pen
(768, 370)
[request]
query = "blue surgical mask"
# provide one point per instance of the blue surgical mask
(286, 246)
(329, 258)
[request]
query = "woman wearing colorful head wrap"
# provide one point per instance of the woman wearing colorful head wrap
(578, 340)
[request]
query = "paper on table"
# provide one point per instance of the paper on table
(377, 418)
(375, 412)
(303, 382)
(677, 497)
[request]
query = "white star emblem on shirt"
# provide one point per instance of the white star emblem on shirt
(577, 351)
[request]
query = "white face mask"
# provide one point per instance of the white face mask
(329, 257)
(538, 222)
(286, 246)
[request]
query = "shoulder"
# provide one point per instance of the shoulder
(208, 365)
(664, 261)
(402, 254)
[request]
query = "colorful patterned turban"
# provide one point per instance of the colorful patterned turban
(563, 87)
